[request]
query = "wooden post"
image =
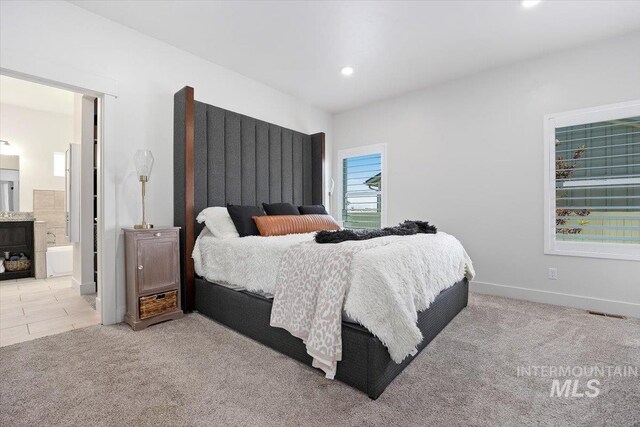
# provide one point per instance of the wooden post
(184, 189)
(317, 168)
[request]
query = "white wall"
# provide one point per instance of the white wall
(35, 135)
(148, 73)
(468, 156)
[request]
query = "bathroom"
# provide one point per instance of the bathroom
(48, 210)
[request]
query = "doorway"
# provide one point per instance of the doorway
(49, 210)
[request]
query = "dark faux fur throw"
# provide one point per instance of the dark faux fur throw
(406, 228)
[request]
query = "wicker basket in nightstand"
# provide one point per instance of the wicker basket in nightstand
(155, 305)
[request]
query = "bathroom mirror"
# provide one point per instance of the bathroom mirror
(9, 190)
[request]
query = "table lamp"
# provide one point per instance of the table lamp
(144, 163)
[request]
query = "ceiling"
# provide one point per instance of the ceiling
(35, 96)
(394, 47)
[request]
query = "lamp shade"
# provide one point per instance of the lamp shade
(144, 162)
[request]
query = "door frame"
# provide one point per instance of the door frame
(39, 70)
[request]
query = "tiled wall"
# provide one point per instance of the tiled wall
(48, 206)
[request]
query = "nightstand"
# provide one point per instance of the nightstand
(152, 266)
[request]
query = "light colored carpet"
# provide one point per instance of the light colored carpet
(196, 372)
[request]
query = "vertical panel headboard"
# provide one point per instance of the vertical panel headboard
(224, 157)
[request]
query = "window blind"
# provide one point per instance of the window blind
(597, 182)
(362, 191)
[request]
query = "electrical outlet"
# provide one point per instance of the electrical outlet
(553, 274)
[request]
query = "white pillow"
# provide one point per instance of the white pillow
(218, 222)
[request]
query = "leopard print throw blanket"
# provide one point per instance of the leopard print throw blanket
(406, 228)
(309, 295)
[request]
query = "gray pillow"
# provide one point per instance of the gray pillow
(242, 217)
(312, 210)
(280, 209)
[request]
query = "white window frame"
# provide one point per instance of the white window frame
(552, 246)
(363, 151)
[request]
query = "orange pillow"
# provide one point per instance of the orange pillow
(279, 225)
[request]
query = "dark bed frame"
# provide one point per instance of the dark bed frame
(224, 157)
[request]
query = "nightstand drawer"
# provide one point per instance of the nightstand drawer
(155, 233)
(157, 304)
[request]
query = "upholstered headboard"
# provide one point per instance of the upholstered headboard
(224, 157)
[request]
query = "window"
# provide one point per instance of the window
(363, 182)
(592, 189)
(58, 164)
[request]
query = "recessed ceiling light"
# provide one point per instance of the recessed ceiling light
(530, 3)
(346, 71)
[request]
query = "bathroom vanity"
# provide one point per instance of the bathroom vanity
(16, 236)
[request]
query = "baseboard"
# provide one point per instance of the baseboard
(83, 288)
(120, 314)
(556, 298)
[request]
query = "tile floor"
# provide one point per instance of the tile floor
(34, 308)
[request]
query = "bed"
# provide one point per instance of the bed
(223, 157)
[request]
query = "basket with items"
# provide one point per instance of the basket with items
(16, 263)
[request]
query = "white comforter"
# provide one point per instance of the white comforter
(389, 284)
(249, 263)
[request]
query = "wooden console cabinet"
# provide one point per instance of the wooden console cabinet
(152, 265)
(16, 237)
